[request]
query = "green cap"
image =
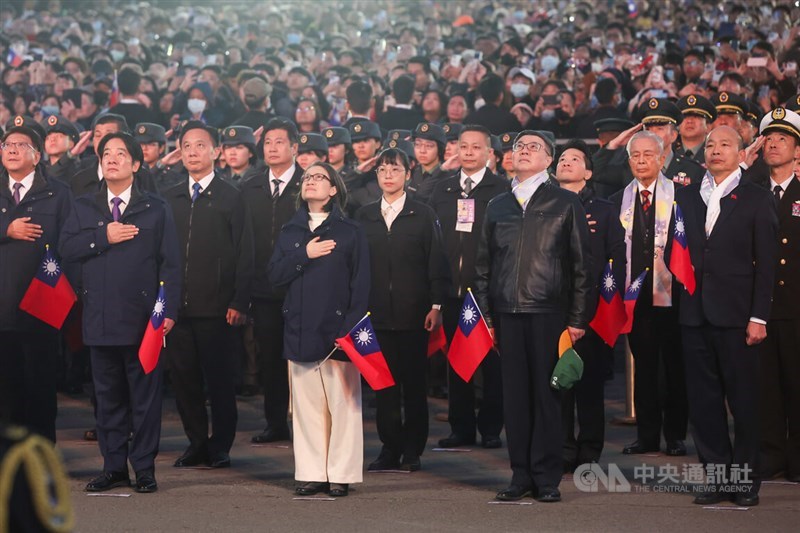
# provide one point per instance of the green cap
(569, 368)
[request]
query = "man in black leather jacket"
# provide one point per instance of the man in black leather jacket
(533, 279)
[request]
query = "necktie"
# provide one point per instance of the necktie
(645, 201)
(17, 187)
(778, 192)
(195, 191)
(116, 214)
(468, 185)
(276, 188)
(688, 154)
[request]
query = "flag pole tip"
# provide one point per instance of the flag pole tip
(369, 313)
(469, 289)
(162, 283)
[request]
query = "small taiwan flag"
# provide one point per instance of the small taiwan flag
(153, 340)
(631, 295)
(680, 261)
(13, 59)
(49, 296)
(610, 316)
(114, 97)
(361, 346)
(437, 342)
(471, 341)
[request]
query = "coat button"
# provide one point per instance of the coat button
(781, 283)
(285, 311)
(4, 210)
(299, 268)
(91, 245)
(297, 245)
(100, 223)
(338, 313)
(783, 261)
(785, 240)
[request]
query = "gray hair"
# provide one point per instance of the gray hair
(644, 134)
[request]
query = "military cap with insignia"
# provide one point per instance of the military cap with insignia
(58, 124)
(430, 132)
(27, 131)
(147, 132)
(335, 135)
(615, 125)
(507, 141)
(728, 103)
(781, 119)
(364, 129)
(452, 130)
(312, 142)
(396, 135)
(752, 113)
(27, 122)
(239, 135)
(698, 105)
(497, 144)
(402, 145)
(793, 103)
(659, 111)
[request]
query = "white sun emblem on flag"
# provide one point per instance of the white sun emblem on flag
(158, 309)
(363, 336)
(469, 315)
(608, 283)
(50, 267)
(635, 284)
(679, 227)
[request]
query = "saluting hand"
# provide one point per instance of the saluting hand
(82, 144)
(118, 232)
(622, 139)
(316, 248)
(23, 230)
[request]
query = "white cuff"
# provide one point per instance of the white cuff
(758, 321)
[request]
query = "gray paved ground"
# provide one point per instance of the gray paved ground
(452, 493)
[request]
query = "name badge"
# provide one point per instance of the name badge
(796, 209)
(465, 215)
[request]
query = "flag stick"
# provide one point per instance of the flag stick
(337, 347)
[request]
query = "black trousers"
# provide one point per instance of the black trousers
(587, 398)
(529, 352)
(461, 408)
(406, 353)
(28, 369)
(268, 330)
(128, 400)
(779, 410)
(720, 369)
(197, 355)
(655, 340)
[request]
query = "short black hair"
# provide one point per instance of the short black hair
(128, 80)
(109, 118)
(279, 123)
(133, 147)
(197, 125)
(403, 89)
(421, 60)
(479, 129)
(581, 146)
(393, 156)
(359, 97)
(491, 88)
(604, 90)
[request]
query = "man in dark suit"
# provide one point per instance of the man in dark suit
(402, 115)
(533, 280)
(780, 355)
(607, 240)
(731, 228)
(644, 208)
(272, 201)
(491, 115)
(129, 107)
(215, 234)
(33, 209)
(126, 243)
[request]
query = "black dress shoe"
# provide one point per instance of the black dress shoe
(310, 488)
(548, 496)
(675, 448)
(219, 460)
(192, 457)
(746, 500)
(491, 442)
(108, 481)
(454, 441)
(710, 498)
(145, 482)
(385, 461)
(637, 447)
(411, 463)
(90, 435)
(339, 490)
(271, 435)
(513, 493)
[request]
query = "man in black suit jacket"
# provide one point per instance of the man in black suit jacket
(491, 115)
(402, 115)
(731, 230)
(780, 355)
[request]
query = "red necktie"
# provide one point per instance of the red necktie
(645, 201)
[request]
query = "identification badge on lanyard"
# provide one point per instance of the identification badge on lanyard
(465, 214)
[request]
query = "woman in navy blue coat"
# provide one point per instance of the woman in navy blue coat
(322, 259)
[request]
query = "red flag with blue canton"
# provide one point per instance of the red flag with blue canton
(153, 340)
(471, 341)
(680, 261)
(361, 346)
(49, 296)
(114, 97)
(631, 295)
(610, 316)
(437, 341)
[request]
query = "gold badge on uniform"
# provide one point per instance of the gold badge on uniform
(446, 128)
(653, 103)
(329, 134)
(357, 128)
(691, 100)
(506, 138)
(304, 139)
(778, 113)
(392, 144)
(142, 130)
(19, 121)
(424, 128)
(723, 97)
(232, 133)
(53, 120)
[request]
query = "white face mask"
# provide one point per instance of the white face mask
(548, 114)
(519, 90)
(196, 106)
(117, 55)
(549, 63)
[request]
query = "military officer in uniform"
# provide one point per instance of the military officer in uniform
(698, 114)
(61, 136)
(362, 182)
(312, 148)
(429, 144)
(340, 150)
(239, 150)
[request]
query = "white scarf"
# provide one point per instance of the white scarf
(711, 193)
(665, 197)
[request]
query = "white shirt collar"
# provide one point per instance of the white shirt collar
(476, 178)
(284, 178)
(524, 191)
(784, 185)
(391, 211)
(99, 171)
(651, 187)
(125, 196)
(204, 183)
(27, 183)
(402, 106)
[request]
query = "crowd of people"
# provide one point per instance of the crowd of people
(283, 169)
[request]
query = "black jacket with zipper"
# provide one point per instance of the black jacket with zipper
(408, 265)
(538, 260)
(216, 240)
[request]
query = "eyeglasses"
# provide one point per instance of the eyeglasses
(16, 147)
(307, 108)
(315, 177)
(390, 171)
(532, 146)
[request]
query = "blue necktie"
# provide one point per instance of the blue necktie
(195, 191)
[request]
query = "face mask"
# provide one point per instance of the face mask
(50, 109)
(435, 65)
(549, 63)
(519, 90)
(196, 106)
(548, 114)
(117, 55)
(189, 61)
(293, 38)
(507, 59)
